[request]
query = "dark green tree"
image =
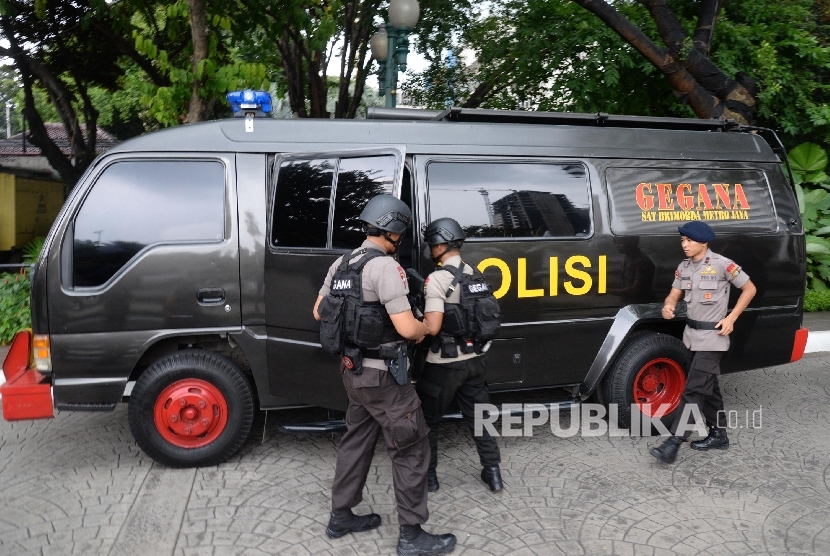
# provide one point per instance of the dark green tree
(761, 61)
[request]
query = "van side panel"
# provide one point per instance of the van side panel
(98, 334)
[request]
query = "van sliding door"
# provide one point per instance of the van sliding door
(314, 210)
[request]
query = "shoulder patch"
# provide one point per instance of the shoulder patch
(426, 283)
(403, 276)
(733, 269)
(677, 274)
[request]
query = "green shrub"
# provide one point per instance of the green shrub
(809, 162)
(817, 300)
(32, 250)
(14, 305)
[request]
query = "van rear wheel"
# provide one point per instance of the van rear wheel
(192, 408)
(650, 374)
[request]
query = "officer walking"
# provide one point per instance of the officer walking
(453, 369)
(703, 281)
(375, 330)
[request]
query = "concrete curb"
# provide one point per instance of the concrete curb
(818, 341)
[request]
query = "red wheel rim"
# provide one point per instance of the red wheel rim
(190, 413)
(660, 382)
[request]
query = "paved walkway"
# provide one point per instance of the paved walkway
(78, 484)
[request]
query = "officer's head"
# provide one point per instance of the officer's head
(388, 217)
(443, 236)
(695, 237)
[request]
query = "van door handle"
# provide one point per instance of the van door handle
(210, 296)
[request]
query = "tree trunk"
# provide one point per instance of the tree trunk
(27, 68)
(198, 108)
(707, 89)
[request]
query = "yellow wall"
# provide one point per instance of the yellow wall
(27, 209)
(7, 211)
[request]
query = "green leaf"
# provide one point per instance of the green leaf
(815, 248)
(799, 193)
(808, 157)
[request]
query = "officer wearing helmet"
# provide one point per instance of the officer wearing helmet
(377, 402)
(454, 369)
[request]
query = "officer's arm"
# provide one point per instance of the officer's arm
(671, 303)
(316, 305)
(434, 320)
(408, 326)
(726, 325)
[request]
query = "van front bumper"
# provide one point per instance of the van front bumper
(27, 393)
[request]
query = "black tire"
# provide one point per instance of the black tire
(667, 356)
(210, 392)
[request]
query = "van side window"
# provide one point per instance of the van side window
(301, 203)
(511, 199)
(358, 180)
(139, 203)
(304, 196)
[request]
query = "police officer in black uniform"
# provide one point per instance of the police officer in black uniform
(452, 372)
(703, 281)
(377, 402)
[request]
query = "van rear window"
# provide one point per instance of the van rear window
(656, 200)
(511, 199)
(140, 203)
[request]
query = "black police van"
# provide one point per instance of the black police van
(182, 271)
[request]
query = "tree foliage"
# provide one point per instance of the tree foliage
(764, 61)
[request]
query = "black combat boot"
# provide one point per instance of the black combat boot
(492, 477)
(667, 452)
(343, 522)
(432, 481)
(414, 541)
(716, 439)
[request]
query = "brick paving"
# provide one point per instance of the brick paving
(78, 484)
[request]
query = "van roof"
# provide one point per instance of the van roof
(567, 138)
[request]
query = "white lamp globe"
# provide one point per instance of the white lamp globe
(404, 13)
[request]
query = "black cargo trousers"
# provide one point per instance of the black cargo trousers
(439, 384)
(701, 389)
(379, 404)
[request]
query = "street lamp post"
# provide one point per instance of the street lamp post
(390, 45)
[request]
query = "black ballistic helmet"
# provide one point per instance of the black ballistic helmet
(387, 213)
(445, 230)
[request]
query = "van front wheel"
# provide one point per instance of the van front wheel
(650, 374)
(192, 408)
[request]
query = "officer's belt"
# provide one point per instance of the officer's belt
(384, 352)
(700, 325)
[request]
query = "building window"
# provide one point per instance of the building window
(136, 204)
(511, 199)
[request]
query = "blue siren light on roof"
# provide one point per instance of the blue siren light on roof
(248, 100)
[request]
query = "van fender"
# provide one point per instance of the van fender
(626, 322)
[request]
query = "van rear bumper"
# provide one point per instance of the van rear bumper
(27, 393)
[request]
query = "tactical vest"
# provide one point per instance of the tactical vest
(470, 324)
(345, 318)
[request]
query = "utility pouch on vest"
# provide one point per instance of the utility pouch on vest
(331, 323)
(487, 314)
(455, 320)
(368, 327)
(449, 346)
(398, 366)
(353, 359)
